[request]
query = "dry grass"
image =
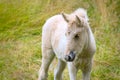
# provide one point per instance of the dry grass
(20, 36)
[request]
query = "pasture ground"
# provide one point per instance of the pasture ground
(20, 36)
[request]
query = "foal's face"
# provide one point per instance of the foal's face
(75, 35)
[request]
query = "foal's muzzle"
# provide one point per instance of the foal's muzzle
(70, 57)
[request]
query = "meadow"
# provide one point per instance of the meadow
(21, 24)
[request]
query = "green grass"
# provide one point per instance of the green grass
(20, 36)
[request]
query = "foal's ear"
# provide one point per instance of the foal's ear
(65, 16)
(79, 21)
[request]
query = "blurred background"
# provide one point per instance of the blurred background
(21, 24)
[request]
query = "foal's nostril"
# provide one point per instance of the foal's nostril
(67, 58)
(70, 57)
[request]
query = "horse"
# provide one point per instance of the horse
(69, 38)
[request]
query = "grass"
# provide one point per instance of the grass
(20, 36)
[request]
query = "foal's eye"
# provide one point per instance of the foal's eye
(76, 36)
(68, 32)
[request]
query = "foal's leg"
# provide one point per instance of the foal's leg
(86, 71)
(47, 57)
(86, 75)
(72, 71)
(58, 71)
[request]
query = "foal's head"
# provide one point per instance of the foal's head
(75, 35)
